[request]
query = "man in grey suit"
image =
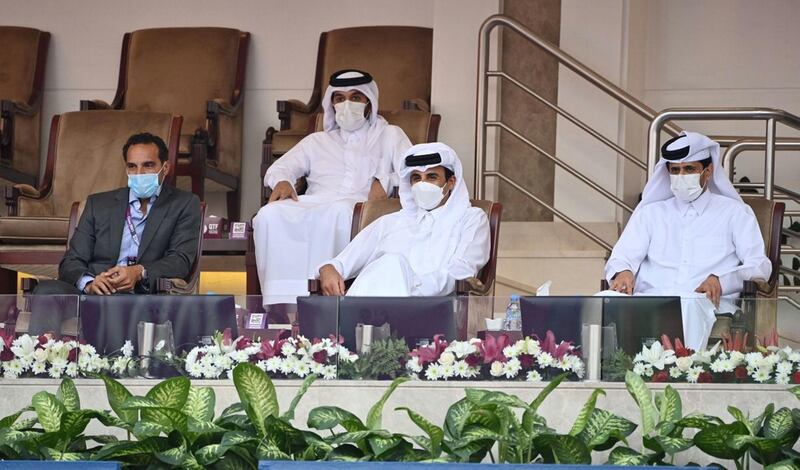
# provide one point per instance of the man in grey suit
(130, 237)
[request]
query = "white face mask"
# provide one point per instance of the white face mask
(427, 195)
(350, 115)
(687, 188)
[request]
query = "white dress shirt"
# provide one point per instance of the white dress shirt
(672, 246)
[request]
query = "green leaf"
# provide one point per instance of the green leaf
(456, 418)
(119, 450)
(739, 416)
(778, 424)
(234, 438)
(626, 457)
(698, 421)
(563, 449)
(289, 414)
(641, 394)
(171, 393)
(268, 451)
(328, 417)
(760, 444)
(232, 410)
(435, 433)
(757, 422)
(145, 429)
(673, 445)
(586, 412)
(714, 440)
(203, 427)
(49, 410)
(383, 445)
(9, 420)
(74, 423)
(357, 437)
(257, 393)
(375, 415)
(795, 391)
(604, 426)
(53, 454)
(788, 464)
(117, 394)
(209, 454)
(68, 395)
(488, 397)
(200, 403)
(537, 402)
(671, 408)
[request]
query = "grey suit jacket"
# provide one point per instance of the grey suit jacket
(169, 241)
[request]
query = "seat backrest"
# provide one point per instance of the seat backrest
(194, 272)
(397, 57)
(86, 151)
(177, 70)
(19, 54)
(419, 126)
(366, 212)
(769, 215)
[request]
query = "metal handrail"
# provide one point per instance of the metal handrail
(770, 115)
(563, 58)
(729, 157)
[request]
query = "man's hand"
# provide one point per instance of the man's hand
(283, 190)
(101, 285)
(331, 281)
(712, 288)
(623, 282)
(376, 191)
(124, 278)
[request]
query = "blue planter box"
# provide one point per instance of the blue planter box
(49, 465)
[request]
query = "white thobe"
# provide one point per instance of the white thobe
(672, 247)
(388, 257)
(293, 237)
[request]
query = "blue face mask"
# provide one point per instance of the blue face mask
(144, 186)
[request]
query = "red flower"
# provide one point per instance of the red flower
(320, 356)
(269, 350)
(525, 360)
(683, 352)
(6, 355)
(73, 355)
(660, 376)
(431, 352)
(705, 378)
(796, 377)
(472, 360)
(556, 350)
(243, 343)
(741, 373)
(43, 339)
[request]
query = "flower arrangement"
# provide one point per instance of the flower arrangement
(727, 361)
(45, 356)
(294, 357)
(494, 358)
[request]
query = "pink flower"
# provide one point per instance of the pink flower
(243, 343)
(492, 348)
(269, 350)
(431, 352)
(556, 350)
(226, 337)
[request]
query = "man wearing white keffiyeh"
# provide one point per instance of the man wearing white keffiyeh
(436, 238)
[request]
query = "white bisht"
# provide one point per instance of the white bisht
(673, 245)
(293, 237)
(415, 252)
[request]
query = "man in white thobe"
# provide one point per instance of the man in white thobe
(691, 236)
(436, 238)
(350, 161)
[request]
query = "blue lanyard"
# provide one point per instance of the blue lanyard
(131, 228)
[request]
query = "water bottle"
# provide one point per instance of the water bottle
(513, 320)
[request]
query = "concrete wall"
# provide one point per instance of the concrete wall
(86, 37)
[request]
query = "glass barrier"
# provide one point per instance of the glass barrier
(514, 338)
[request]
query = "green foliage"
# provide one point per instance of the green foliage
(384, 361)
(615, 367)
(175, 425)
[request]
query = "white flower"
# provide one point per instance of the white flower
(684, 363)
(194, 369)
(13, 367)
(40, 355)
(784, 367)
(512, 368)
(497, 369)
(301, 369)
(240, 356)
(736, 358)
(23, 347)
(288, 349)
(462, 349)
(447, 359)
(512, 350)
(87, 349)
(433, 372)
(127, 349)
(693, 374)
(329, 372)
(794, 356)
(752, 358)
(674, 372)
(39, 367)
(530, 346)
(782, 379)
(59, 364)
(461, 369)
(533, 376)
(289, 364)
(648, 370)
(413, 365)
(72, 370)
(274, 364)
(761, 375)
(545, 359)
(656, 356)
(159, 345)
(722, 365)
(447, 371)
(638, 369)
(230, 374)
(56, 373)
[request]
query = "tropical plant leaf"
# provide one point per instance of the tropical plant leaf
(236, 408)
(435, 433)
(53, 454)
(171, 393)
(714, 440)
(671, 409)
(488, 397)
(266, 450)
(795, 391)
(375, 414)
(456, 418)
(196, 426)
(68, 395)
(49, 410)
(328, 417)
(357, 437)
(9, 420)
(778, 424)
(673, 445)
(117, 394)
(346, 453)
(200, 403)
(24, 424)
(257, 393)
(144, 429)
(626, 456)
(641, 394)
(73, 423)
(788, 464)
(119, 450)
(760, 444)
(289, 414)
(586, 412)
(547, 390)
(758, 421)
(604, 426)
(562, 449)
(382, 445)
(235, 438)
(698, 421)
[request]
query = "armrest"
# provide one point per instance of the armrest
(28, 284)
(416, 104)
(314, 287)
(756, 287)
(219, 106)
(27, 191)
(174, 286)
(92, 105)
(471, 286)
(287, 107)
(9, 107)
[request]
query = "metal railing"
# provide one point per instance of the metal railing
(483, 123)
